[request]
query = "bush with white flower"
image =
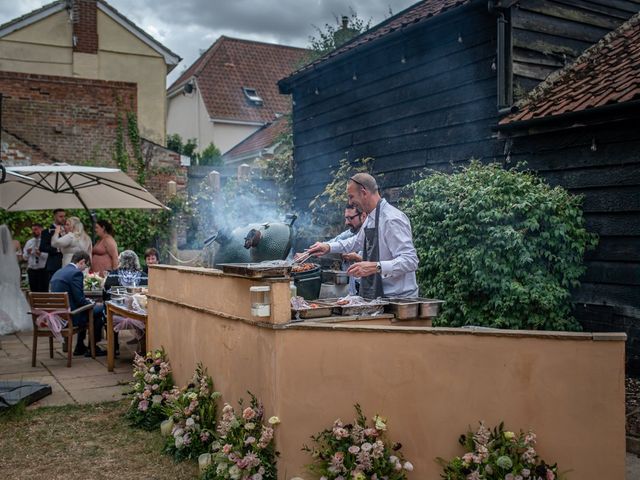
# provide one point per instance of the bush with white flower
(152, 390)
(498, 455)
(244, 449)
(358, 451)
(193, 417)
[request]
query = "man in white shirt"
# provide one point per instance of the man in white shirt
(385, 239)
(36, 261)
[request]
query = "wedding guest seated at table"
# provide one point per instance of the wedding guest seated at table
(128, 274)
(69, 279)
(151, 257)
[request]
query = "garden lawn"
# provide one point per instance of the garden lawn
(83, 442)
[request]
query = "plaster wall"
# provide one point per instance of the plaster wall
(45, 47)
(188, 117)
(431, 383)
(227, 135)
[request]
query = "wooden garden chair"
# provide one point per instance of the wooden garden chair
(47, 309)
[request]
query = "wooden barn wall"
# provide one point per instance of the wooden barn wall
(548, 34)
(434, 109)
(602, 164)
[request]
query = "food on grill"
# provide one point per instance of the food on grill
(299, 303)
(304, 267)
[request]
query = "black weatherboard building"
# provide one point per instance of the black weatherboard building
(428, 87)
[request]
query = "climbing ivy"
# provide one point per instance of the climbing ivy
(134, 138)
(120, 155)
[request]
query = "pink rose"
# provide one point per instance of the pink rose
(550, 475)
(248, 413)
(226, 449)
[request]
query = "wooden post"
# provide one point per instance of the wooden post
(244, 171)
(213, 179)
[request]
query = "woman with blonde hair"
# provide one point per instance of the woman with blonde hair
(74, 240)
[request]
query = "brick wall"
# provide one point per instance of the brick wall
(85, 26)
(48, 119)
(63, 118)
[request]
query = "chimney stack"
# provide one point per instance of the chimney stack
(85, 26)
(345, 22)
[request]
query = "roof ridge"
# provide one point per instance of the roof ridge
(271, 44)
(553, 78)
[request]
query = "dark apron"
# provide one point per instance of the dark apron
(371, 286)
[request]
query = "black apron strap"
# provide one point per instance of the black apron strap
(371, 286)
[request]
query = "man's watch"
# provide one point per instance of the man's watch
(378, 267)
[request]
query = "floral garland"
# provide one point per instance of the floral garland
(357, 451)
(246, 448)
(498, 455)
(152, 390)
(193, 413)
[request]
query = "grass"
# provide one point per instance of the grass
(84, 442)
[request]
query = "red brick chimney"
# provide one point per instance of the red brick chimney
(85, 26)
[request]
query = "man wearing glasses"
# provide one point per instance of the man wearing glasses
(389, 259)
(353, 218)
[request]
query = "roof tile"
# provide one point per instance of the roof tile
(230, 64)
(606, 73)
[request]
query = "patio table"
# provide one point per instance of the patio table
(116, 309)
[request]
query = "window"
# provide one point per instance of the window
(252, 95)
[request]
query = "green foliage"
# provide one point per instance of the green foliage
(134, 138)
(134, 229)
(328, 206)
(331, 37)
(175, 143)
(120, 155)
(210, 156)
(502, 248)
(358, 450)
(193, 412)
(151, 390)
(279, 168)
(496, 455)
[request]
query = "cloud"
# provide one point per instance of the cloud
(188, 27)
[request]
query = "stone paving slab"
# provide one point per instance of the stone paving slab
(87, 381)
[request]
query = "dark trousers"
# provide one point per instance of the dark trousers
(81, 320)
(38, 280)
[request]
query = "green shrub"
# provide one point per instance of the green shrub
(502, 248)
(134, 229)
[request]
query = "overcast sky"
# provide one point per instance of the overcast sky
(188, 27)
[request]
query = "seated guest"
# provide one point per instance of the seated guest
(151, 257)
(128, 269)
(69, 279)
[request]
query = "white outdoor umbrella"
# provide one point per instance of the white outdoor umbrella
(65, 186)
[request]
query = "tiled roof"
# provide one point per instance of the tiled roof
(419, 12)
(263, 138)
(606, 73)
(231, 64)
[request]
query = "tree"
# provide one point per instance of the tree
(175, 144)
(210, 156)
(331, 37)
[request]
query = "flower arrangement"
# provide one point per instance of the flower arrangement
(152, 390)
(193, 413)
(357, 451)
(93, 281)
(245, 449)
(498, 455)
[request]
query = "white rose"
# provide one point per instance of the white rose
(408, 466)
(156, 399)
(275, 421)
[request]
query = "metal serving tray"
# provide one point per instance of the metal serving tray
(429, 307)
(355, 310)
(403, 308)
(254, 270)
(323, 310)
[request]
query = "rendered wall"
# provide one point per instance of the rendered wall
(45, 47)
(431, 383)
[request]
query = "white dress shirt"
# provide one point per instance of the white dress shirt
(34, 262)
(398, 257)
